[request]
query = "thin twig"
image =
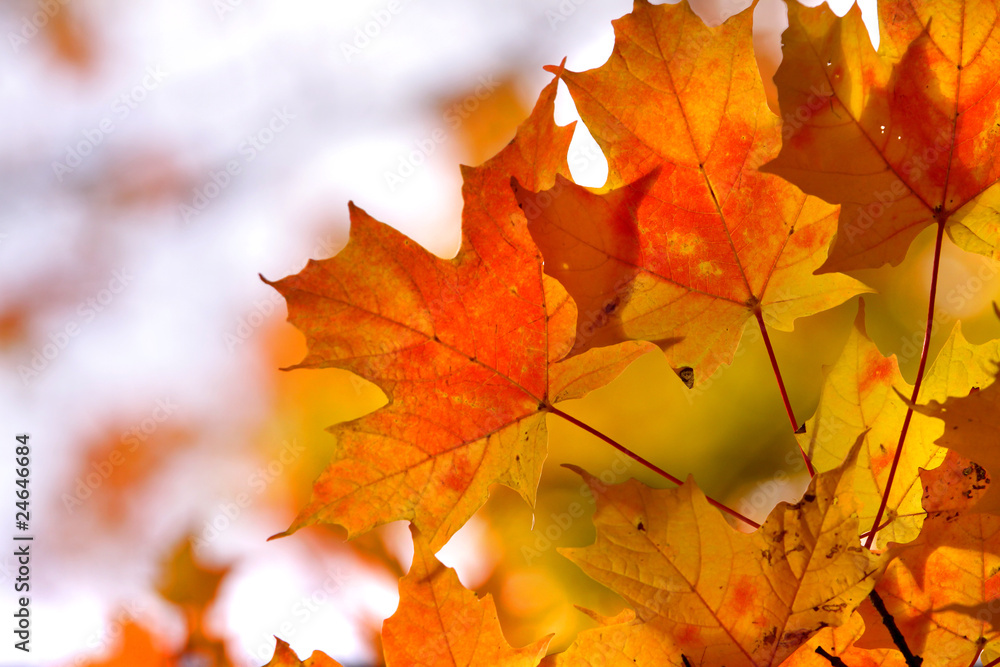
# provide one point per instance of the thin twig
(916, 387)
(781, 388)
(897, 636)
(652, 466)
(872, 532)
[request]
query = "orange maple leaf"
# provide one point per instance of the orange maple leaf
(465, 349)
(692, 240)
(137, 646)
(903, 137)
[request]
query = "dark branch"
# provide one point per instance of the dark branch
(833, 660)
(897, 636)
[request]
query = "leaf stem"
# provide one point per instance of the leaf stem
(897, 636)
(872, 532)
(876, 525)
(781, 388)
(652, 466)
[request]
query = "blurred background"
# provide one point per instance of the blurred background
(157, 157)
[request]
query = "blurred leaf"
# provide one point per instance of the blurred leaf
(193, 586)
(137, 647)
(285, 657)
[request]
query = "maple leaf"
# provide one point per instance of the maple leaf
(439, 622)
(193, 586)
(840, 642)
(618, 640)
(284, 656)
(861, 395)
(137, 646)
(717, 596)
(691, 240)
(187, 582)
(935, 586)
(463, 348)
(971, 428)
(902, 137)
